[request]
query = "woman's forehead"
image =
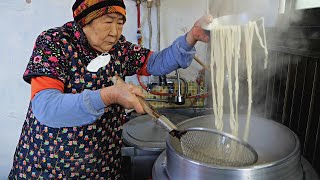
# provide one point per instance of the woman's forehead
(113, 16)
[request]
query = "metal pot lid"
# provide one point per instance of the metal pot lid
(142, 132)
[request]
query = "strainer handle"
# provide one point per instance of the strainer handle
(165, 122)
(148, 108)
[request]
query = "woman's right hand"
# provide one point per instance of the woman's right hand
(123, 94)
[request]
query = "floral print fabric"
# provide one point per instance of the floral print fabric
(86, 152)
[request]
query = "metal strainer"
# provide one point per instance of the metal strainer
(207, 145)
(204, 145)
(214, 147)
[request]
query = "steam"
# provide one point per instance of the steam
(269, 9)
(277, 25)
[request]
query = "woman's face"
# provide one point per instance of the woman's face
(104, 32)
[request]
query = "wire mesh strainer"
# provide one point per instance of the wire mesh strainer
(204, 145)
(214, 147)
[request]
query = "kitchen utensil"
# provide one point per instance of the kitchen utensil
(205, 145)
(215, 147)
(201, 63)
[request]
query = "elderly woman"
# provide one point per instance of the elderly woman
(73, 124)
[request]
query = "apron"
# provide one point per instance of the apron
(85, 152)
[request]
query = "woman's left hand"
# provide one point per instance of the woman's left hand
(197, 33)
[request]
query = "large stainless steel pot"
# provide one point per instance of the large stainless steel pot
(277, 146)
(159, 169)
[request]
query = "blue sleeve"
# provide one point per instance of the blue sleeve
(178, 55)
(55, 109)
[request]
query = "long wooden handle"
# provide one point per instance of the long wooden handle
(165, 122)
(149, 108)
(201, 63)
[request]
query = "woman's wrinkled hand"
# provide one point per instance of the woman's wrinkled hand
(197, 33)
(123, 94)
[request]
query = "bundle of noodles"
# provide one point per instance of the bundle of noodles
(225, 54)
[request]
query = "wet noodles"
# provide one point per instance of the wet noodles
(225, 55)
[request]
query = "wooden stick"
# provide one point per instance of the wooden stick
(201, 63)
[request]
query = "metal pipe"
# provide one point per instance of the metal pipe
(158, 22)
(179, 99)
(286, 92)
(294, 97)
(280, 86)
(309, 121)
(273, 87)
(316, 142)
(302, 97)
(282, 6)
(186, 86)
(162, 79)
(266, 105)
(149, 5)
